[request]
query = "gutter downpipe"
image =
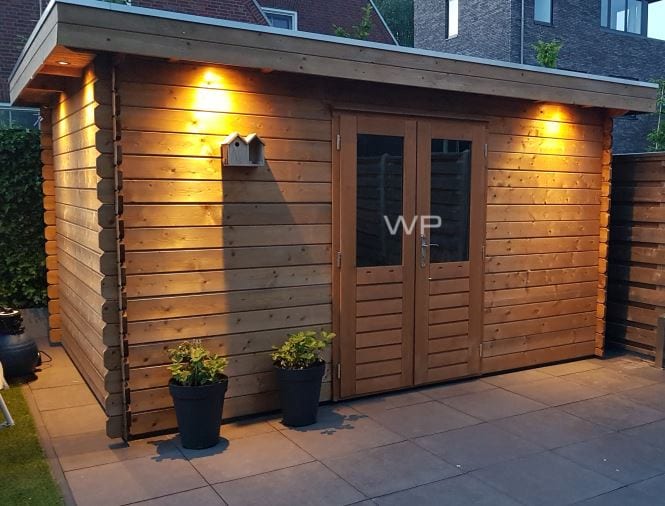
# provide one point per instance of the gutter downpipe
(522, 35)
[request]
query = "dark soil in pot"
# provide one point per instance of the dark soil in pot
(299, 392)
(199, 413)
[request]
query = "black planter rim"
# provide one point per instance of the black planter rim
(178, 390)
(316, 365)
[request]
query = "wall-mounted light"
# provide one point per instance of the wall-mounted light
(62, 62)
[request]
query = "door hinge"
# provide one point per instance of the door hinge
(339, 142)
(486, 150)
(339, 371)
(480, 350)
(339, 259)
(482, 251)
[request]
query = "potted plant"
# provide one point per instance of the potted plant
(300, 370)
(197, 385)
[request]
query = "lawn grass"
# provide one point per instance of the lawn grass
(25, 477)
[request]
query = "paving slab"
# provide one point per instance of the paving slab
(552, 428)
(651, 395)
(246, 428)
(477, 446)
(546, 479)
(613, 380)
(614, 412)
(69, 396)
(651, 433)
(57, 376)
(76, 420)
(133, 480)
(619, 457)
(626, 496)
(493, 404)
(242, 457)
(310, 484)
(572, 367)
(340, 430)
(391, 468)
(459, 491)
(654, 488)
(90, 449)
(423, 419)
(388, 401)
(205, 496)
(556, 391)
(512, 378)
(455, 389)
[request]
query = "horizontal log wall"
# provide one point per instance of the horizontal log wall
(239, 257)
(636, 277)
(84, 217)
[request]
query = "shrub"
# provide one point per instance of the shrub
(547, 53)
(656, 137)
(361, 30)
(22, 264)
(193, 365)
(301, 350)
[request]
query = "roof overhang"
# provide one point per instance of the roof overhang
(74, 31)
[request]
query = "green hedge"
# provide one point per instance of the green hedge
(22, 257)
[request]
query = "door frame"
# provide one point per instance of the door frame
(344, 131)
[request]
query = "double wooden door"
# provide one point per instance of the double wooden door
(410, 210)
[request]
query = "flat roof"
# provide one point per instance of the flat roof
(78, 29)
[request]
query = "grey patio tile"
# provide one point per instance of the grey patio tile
(205, 496)
(238, 458)
(651, 373)
(454, 389)
(423, 419)
(459, 491)
(651, 395)
(57, 376)
(246, 428)
(614, 411)
(556, 391)
(388, 401)
(477, 446)
(76, 420)
(617, 456)
(551, 428)
(609, 379)
(493, 404)
(654, 488)
(588, 364)
(308, 484)
(133, 480)
(95, 448)
(513, 378)
(340, 430)
(626, 496)
(544, 479)
(391, 468)
(63, 397)
(626, 362)
(651, 433)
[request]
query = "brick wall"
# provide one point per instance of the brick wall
(236, 10)
(16, 23)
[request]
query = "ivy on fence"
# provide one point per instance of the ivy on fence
(22, 269)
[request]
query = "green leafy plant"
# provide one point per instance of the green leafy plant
(22, 257)
(656, 137)
(302, 349)
(399, 17)
(193, 365)
(547, 53)
(361, 30)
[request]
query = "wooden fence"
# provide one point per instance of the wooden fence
(636, 270)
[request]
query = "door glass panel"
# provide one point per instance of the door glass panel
(379, 194)
(450, 196)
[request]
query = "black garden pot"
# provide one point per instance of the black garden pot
(199, 413)
(18, 352)
(299, 392)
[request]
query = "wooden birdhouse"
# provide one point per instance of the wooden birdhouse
(239, 151)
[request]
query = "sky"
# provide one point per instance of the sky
(657, 20)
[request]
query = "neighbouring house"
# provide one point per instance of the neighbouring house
(20, 17)
(151, 239)
(617, 38)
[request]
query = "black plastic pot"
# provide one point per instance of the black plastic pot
(199, 413)
(18, 352)
(299, 392)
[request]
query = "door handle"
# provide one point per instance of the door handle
(423, 250)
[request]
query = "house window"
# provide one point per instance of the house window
(542, 11)
(280, 18)
(656, 17)
(453, 19)
(624, 15)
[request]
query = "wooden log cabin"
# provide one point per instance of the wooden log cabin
(500, 172)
